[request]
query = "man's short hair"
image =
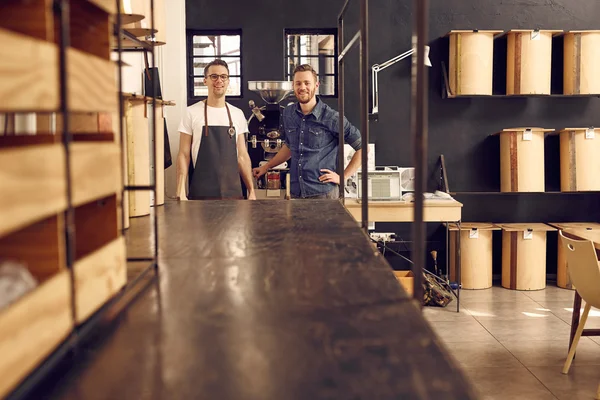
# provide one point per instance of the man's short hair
(304, 68)
(216, 61)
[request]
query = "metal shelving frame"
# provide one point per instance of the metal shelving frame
(419, 110)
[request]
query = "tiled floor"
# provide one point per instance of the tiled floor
(513, 344)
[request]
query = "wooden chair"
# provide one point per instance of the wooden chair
(584, 271)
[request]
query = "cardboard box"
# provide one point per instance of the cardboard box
(406, 279)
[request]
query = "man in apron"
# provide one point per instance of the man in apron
(212, 145)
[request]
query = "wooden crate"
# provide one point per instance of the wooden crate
(529, 61)
(581, 57)
(522, 159)
(34, 325)
(562, 274)
(406, 279)
(579, 159)
(524, 256)
(471, 62)
(476, 254)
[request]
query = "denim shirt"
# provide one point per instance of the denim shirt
(313, 141)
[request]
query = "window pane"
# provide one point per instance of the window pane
(316, 50)
(234, 89)
(220, 45)
(234, 64)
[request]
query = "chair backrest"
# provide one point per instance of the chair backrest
(583, 268)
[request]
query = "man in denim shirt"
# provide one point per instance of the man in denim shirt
(310, 129)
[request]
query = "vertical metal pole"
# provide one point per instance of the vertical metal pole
(419, 135)
(121, 103)
(364, 107)
(69, 214)
(155, 152)
(341, 109)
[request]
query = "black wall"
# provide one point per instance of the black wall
(458, 128)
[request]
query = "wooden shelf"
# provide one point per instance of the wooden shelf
(29, 77)
(32, 328)
(34, 185)
(98, 277)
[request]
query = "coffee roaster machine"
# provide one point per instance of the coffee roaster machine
(265, 138)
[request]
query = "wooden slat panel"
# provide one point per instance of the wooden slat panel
(33, 185)
(91, 82)
(90, 29)
(98, 277)
(40, 247)
(29, 74)
(95, 169)
(95, 225)
(31, 328)
(33, 18)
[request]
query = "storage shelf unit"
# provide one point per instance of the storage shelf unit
(62, 189)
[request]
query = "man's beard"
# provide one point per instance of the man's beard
(310, 96)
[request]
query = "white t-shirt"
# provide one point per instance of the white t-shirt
(193, 122)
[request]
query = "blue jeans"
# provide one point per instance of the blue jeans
(332, 195)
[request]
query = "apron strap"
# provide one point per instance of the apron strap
(231, 127)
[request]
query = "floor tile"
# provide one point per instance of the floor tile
(553, 353)
(551, 293)
(462, 331)
(494, 294)
(482, 354)
(564, 311)
(527, 309)
(507, 383)
(581, 382)
(446, 314)
(506, 329)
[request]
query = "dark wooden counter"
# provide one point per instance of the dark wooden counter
(263, 300)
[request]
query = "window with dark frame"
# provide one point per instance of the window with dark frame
(205, 46)
(317, 47)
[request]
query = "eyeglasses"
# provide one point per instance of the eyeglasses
(223, 77)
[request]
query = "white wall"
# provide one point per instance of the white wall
(173, 68)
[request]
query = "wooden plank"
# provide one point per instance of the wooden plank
(33, 185)
(434, 211)
(520, 227)
(91, 80)
(138, 157)
(95, 225)
(29, 74)
(99, 276)
(159, 163)
(40, 247)
(95, 171)
(90, 29)
(33, 18)
(32, 327)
